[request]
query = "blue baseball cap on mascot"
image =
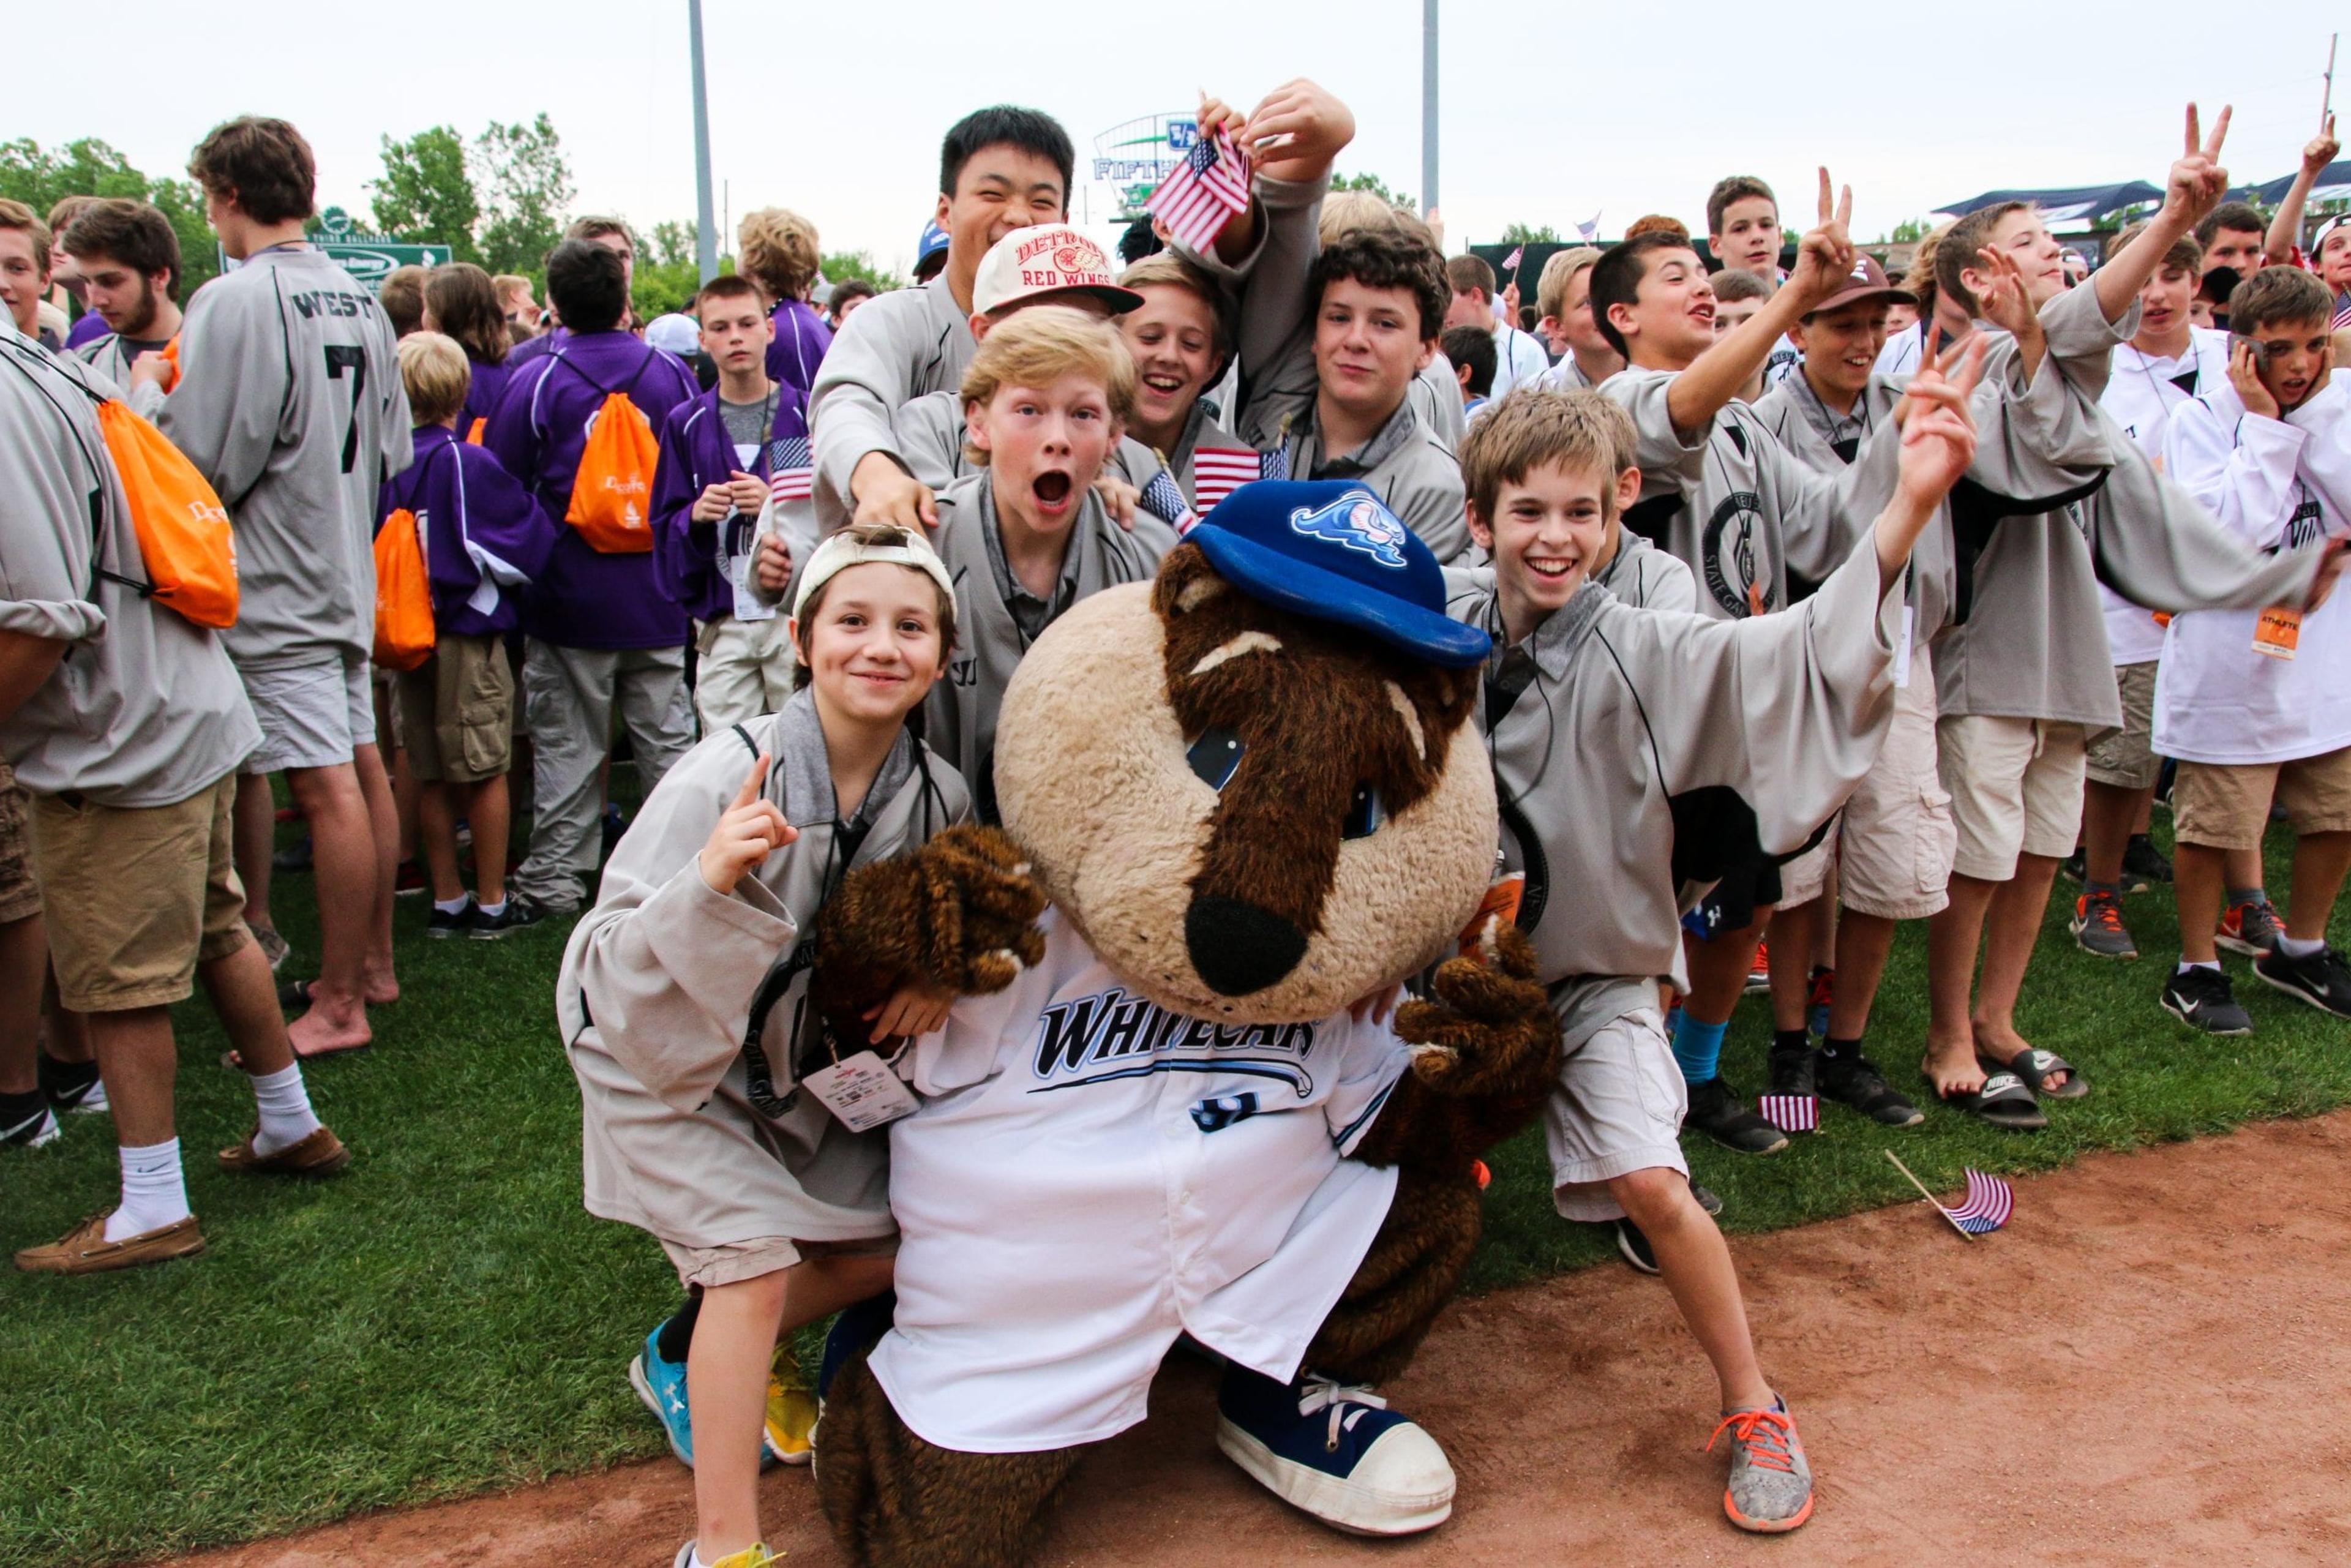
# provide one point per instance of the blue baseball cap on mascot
(1331, 549)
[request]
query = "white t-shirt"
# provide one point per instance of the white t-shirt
(1900, 355)
(1518, 357)
(2141, 393)
(1090, 1175)
(2279, 485)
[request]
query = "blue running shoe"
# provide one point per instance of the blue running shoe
(1335, 1451)
(661, 1386)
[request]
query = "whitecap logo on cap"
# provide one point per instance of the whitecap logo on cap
(1051, 259)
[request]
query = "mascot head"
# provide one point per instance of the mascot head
(1253, 783)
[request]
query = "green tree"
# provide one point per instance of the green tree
(1909, 231)
(842, 265)
(1519, 234)
(88, 167)
(1376, 186)
(527, 180)
(673, 240)
(426, 192)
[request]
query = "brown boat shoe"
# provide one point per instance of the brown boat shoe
(86, 1250)
(320, 1154)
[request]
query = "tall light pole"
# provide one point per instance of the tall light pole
(1427, 107)
(705, 230)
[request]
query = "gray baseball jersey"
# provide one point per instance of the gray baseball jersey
(144, 709)
(112, 360)
(892, 350)
(692, 1125)
(1619, 710)
(959, 716)
(290, 402)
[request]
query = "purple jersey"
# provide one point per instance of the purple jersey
(696, 453)
(480, 526)
(586, 598)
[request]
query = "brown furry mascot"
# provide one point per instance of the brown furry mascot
(1235, 800)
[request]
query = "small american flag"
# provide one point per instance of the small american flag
(787, 461)
(1988, 1203)
(1511, 261)
(1590, 230)
(2343, 316)
(1218, 471)
(1206, 190)
(1790, 1112)
(1275, 465)
(1164, 499)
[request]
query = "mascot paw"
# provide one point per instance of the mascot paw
(980, 910)
(1491, 1028)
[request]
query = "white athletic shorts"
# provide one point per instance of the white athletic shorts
(1618, 1107)
(312, 716)
(2015, 787)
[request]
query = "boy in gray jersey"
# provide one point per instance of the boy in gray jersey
(1597, 716)
(1027, 537)
(126, 723)
(128, 258)
(289, 402)
(1000, 169)
(2022, 667)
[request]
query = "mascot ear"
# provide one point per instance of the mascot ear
(1186, 582)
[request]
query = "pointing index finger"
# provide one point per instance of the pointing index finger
(753, 781)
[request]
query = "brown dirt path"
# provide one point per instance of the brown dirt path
(2147, 1366)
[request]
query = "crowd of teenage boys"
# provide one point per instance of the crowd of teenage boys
(652, 534)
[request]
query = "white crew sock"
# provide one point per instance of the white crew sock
(2295, 947)
(2188, 963)
(493, 910)
(154, 1195)
(453, 906)
(285, 1106)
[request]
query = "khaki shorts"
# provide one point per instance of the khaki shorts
(2125, 758)
(2015, 787)
(2225, 805)
(1897, 841)
(456, 712)
(731, 1265)
(20, 895)
(114, 953)
(312, 716)
(1618, 1107)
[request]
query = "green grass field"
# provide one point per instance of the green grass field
(444, 1318)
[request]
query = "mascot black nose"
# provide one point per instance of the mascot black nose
(1237, 948)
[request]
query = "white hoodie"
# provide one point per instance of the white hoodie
(2282, 484)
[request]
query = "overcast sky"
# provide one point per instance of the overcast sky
(1549, 114)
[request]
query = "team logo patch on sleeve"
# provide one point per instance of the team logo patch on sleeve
(1358, 521)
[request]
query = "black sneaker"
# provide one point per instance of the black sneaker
(2323, 979)
(1635, 1247)
(1792, 1071)
(1854, 1080)
(1714, 1111)
(519, 912)
(2203, 999)
(72, 1086)
(2144, 864)
(2076, 866)
(27, 1123)
(443, 923)
(294, 857)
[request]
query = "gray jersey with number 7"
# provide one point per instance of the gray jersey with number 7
(289, 402)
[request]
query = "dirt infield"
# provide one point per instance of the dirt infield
(2148, 1366)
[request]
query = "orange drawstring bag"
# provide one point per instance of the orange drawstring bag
(403, 594)
(184, 539)
(613, 492)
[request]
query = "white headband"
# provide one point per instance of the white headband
(842, 551)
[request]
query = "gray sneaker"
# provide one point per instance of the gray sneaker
(2097, 927)
(2251, 928)
(1770, 1487)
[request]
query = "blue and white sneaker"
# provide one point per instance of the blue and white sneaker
(1335, 1451)
(661, 1386)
